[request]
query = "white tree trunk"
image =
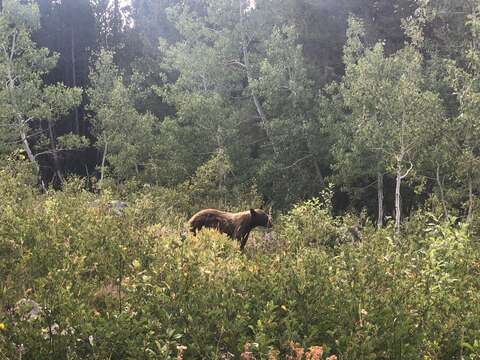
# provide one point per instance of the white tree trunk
(442, 193)
(258, 105)
(318, 173)
(380, 199)
(27, 149)
(398, 205)
(102, 171)
(74, 76)
(56, 161)
(470, 200)
(22, 123)
(256, 101)
(31, 157)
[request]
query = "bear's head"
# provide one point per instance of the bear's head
(261, 218)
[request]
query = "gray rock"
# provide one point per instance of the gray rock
(118, 206)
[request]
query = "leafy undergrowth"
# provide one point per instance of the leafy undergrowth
(79, 281)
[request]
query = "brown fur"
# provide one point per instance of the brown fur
(236, 225)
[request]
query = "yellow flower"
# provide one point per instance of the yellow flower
(2, 326)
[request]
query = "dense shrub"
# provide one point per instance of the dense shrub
(79, 281)
(311, 223)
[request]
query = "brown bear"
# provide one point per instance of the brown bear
(236, 225)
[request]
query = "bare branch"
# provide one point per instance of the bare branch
(236, 62)
(296, 162)
(46, 152)
(407, 172)
(214, 30)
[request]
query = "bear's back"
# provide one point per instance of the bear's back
(206, 214)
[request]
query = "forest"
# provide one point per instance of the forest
(354, 123)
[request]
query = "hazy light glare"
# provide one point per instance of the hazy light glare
(124, 2)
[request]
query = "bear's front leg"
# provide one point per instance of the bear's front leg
(243, 240)
(194, 229)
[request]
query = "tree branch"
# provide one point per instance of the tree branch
(407, 172)
(236, 62)
(296, 162)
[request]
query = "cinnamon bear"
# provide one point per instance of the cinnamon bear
(237, 226)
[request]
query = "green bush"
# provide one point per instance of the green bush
(311, 223)
(79, 281)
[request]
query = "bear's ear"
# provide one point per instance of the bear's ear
(252, 212)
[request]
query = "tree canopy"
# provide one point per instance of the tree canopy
(377, 98)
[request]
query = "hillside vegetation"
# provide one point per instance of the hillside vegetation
(356, 122)
(80, 281)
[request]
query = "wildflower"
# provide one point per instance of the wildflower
(314, 353)
(273, 354)
(333, 357)
(9, 309)
(52, 330)
(136, 264)
(69, 331)
(181, 349)
(226, 356)
(2, 326)
(299, 353)
(20, 349)
(246, 354)
(297, 349)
